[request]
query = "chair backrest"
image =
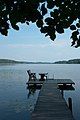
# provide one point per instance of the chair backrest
(29, 72)
(32, 76)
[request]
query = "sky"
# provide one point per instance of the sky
(29, 44)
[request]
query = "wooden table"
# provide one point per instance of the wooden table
(42, 76)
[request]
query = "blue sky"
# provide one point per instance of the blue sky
(28, 44)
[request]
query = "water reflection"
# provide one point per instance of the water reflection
(32, 89)
(67, 88)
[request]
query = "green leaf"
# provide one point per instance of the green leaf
(15, 27)
(78, 25)
(50, 4)
(39, 23)
(44, 29)
(73, 27)
(59, 29)
(43, 9)
(4, 32)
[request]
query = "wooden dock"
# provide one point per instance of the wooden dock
(37, 82)
(58, 81)
(50, 104)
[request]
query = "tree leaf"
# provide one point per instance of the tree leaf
(39, 23)
(43, 9)
(59, 29)
(78, 25)
(50, 4)
(73, 27)
(15, 27)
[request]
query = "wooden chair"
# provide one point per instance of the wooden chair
(32, 76)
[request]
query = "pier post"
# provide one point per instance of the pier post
(53, 76)
(62, 92)
(70, 103)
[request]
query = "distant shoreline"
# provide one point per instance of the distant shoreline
(8, 61)
(12, 62)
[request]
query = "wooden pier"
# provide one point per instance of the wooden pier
(50, 104)
(58, 81)
(37, 82)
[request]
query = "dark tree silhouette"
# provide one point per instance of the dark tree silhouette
(50, 16)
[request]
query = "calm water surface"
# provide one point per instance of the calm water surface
(16, 103)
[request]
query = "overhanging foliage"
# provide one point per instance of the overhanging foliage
(50, 16)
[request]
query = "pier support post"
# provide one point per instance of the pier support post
(62, 92)
(70, 103)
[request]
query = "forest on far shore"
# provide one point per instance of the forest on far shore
(8, 61)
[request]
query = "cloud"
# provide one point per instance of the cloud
(55, 43)
(26, 45)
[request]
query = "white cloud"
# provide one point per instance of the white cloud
(53, 51)
(56, 43)
(25, 45)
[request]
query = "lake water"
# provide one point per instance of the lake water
(15, 101)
